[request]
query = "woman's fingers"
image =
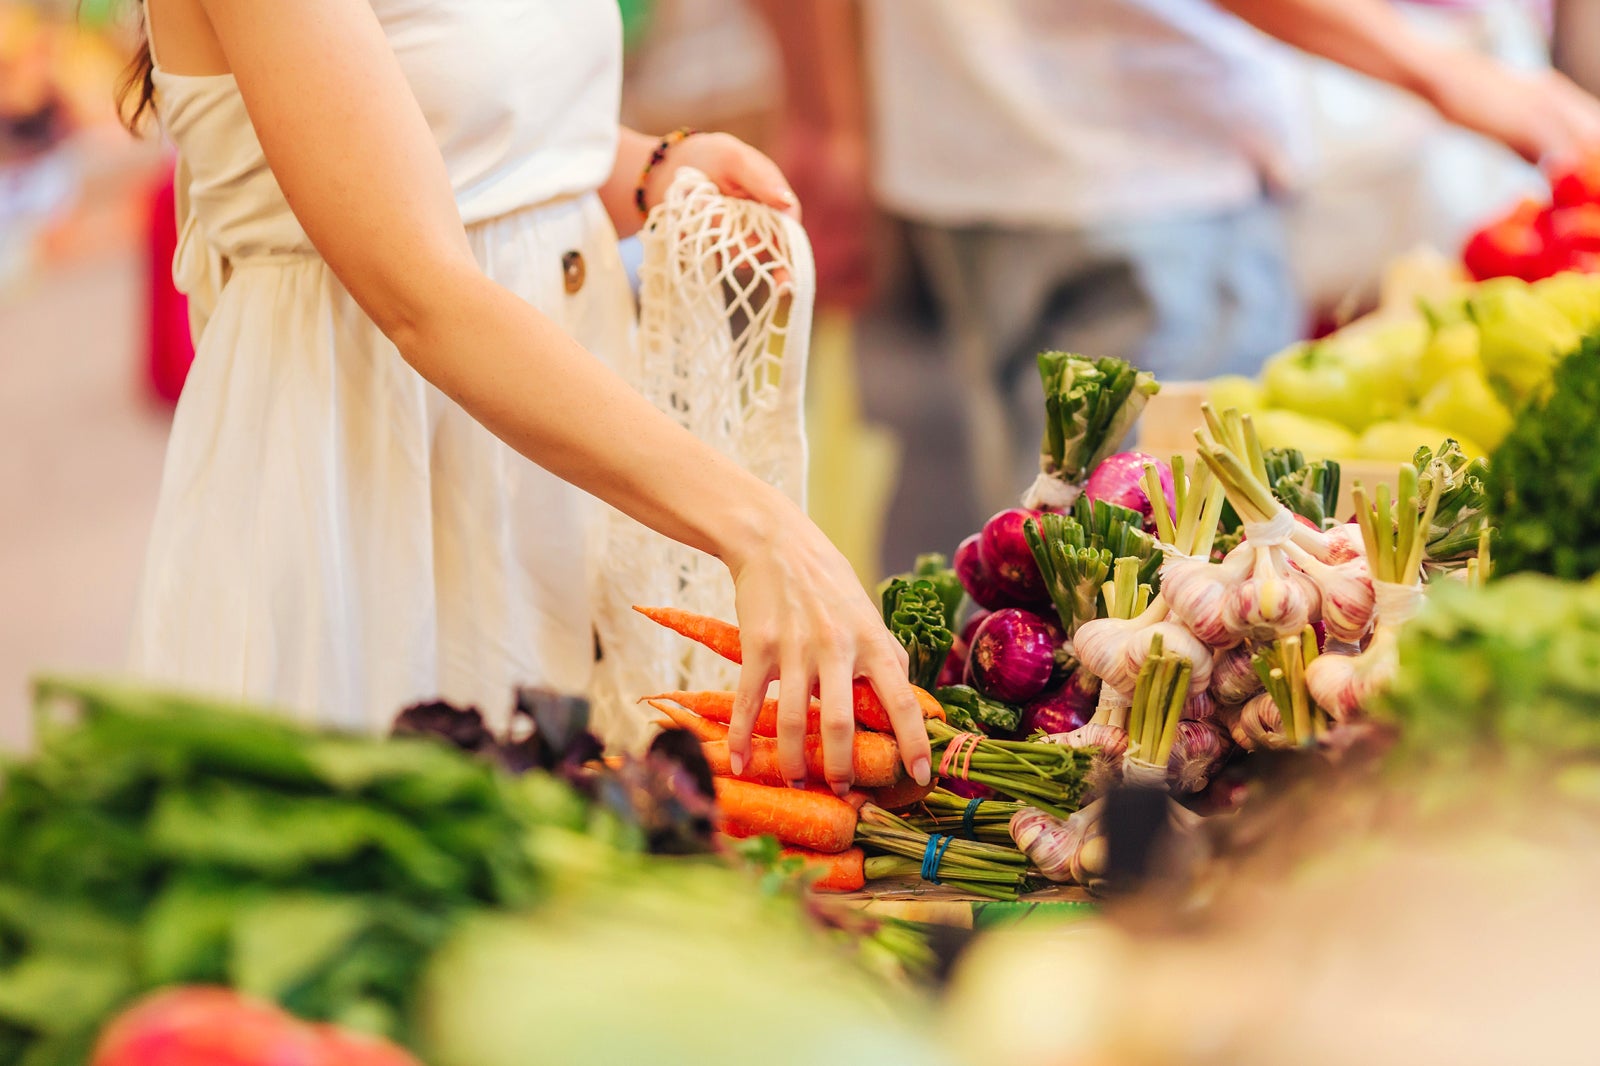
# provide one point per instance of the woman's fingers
(905, 714)
(754, 676)
(750, 174)
(795, 683)
(838, 723)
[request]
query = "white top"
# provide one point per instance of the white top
(1043, 112)
(334, 535)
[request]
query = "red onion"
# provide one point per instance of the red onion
(1004, 552)
(966, 789)
(976, 578)
(1120, 480)
(1063, 709)
(954, 669)
(1013, 655)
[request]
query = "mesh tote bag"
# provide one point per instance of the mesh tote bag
(726, 289)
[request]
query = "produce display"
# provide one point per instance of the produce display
(1458, 363)
(183, 882)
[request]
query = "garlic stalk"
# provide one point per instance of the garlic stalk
(1346, 684)
(1271, 600)
(1158, 702)
(1282, 668)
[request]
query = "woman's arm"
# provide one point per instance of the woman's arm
(737, 169)
(1539, 114)
(359, 166)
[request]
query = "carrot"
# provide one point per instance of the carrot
(870, 711)
(700, 728)
(721, 637)
(902, 794)
(876, 760)
(843, 872)
(816, 820)
(718, 706)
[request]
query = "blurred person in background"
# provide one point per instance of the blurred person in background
(399, 235)
(1109, 176)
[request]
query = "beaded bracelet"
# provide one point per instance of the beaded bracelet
(660, 153)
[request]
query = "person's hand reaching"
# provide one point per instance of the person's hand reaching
(804, 619)
(1539, 114)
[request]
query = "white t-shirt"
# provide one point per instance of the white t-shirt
(1064, 112)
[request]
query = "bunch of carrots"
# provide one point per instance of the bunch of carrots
(815, 825)
(819, 826)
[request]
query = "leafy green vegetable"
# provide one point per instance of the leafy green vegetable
(1090, 406)
(989, 716)
(935, 568)
(1512, 667)
(1544, 480)
(914, 612)
(161, 839)
(1463, 509)
(1075, 555)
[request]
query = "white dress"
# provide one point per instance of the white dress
(334, 535)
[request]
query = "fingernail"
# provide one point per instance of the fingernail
(797, 784)
(920, 771)
(736, 763)
(841, 789)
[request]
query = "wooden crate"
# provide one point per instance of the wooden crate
(1173, 414)
(918, 901)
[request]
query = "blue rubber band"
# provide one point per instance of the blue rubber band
(933, 855)
(968, 830)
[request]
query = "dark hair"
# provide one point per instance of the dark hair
(137, 87)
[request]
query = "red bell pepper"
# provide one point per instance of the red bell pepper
(1576, 229)
(1517, 245)
(1576, 184)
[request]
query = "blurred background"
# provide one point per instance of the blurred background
(916, 270)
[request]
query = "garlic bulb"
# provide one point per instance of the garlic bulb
(1204, 596)
(1269, 603)
(1110, 739)
(1199, 707)
(1063, 850)
(1197, 752)
(1233, 676)
(1175, 640)
(1261, 725)
(1111, 742)
(1337, 545)
(1099, 645)
(1349, 602)
(1343, 685)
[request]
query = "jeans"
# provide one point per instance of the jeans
(1186, 298)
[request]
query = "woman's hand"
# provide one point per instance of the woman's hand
(804, 618)
(736, 168)
(1539, 114)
